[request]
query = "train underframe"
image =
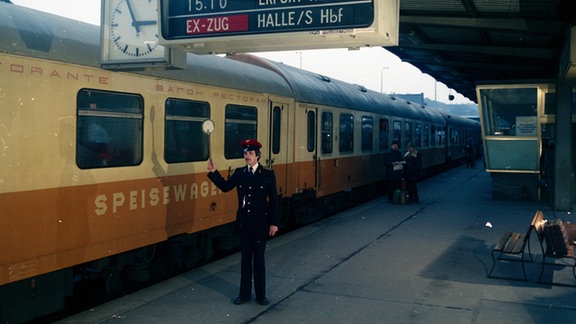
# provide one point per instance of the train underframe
(62, 293)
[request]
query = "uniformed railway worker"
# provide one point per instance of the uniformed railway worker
(256, 217)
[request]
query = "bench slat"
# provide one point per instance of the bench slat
(502, 243)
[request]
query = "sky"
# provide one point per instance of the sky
(375, 68)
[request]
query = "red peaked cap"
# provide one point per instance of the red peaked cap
(250, 144)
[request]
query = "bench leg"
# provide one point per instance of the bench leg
(494, 262)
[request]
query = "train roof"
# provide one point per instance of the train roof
(460, 120)
(37, 34)
(33, 33)
(313, 88)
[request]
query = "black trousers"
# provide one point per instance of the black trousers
(393, 185)
(252, 249)
(412, 190)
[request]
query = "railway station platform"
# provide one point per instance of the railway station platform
(375, 263)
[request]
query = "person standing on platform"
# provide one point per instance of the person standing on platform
(412, 172)
(394, 164)
(256, 217)
(469, 153)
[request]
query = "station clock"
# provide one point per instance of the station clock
(130, 33)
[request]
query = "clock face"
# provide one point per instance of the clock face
(133, 30)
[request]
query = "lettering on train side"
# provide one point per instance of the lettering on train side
(60, 74)
(239, 97)
(114, 202)
(170, 90)
(178, 90)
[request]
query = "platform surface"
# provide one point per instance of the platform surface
(375, 263)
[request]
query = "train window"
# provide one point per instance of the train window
(184, 140)
(346, 142)
(418, 135)
(397, 131)
(109, 129)
(383, 134)
(453, 136)
(327, 132)
(367, 134)
(426, 136)
(433, 136)
(241, 123)
(407, 133)
(441, 135)
(311, 136)
(276, 122)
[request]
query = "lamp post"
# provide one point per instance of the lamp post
(300, 54)
(382, 79)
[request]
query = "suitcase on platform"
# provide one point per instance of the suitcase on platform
(556, 238)
(401, 196)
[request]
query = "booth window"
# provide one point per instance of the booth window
(510, 127)
(509, 111)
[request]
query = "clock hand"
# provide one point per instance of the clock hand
(136, 26)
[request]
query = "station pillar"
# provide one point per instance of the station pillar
(564, 165)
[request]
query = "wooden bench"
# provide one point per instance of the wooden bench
(515, 246)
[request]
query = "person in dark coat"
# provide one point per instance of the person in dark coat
(393, 162)
(256, 217)
(469, 155)
(412, 172)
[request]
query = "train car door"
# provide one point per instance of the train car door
(312, 131)
(277, 151)
(309, 170)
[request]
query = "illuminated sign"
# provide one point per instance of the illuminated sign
(219, 26)
(202, 18)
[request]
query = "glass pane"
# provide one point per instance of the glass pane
(397, 132)
(407, 133)
(367, 134)
(417, 135)
(109, 129)
(509, 112)
(327, 129)
(512, 154)
(276, 124)
(241, 124)
(311, 138)
(383, 135)
(346, 133)
(184, 140)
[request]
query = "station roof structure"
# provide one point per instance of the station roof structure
(462, 42)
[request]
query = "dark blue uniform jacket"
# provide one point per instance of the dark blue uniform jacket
(257, 199)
